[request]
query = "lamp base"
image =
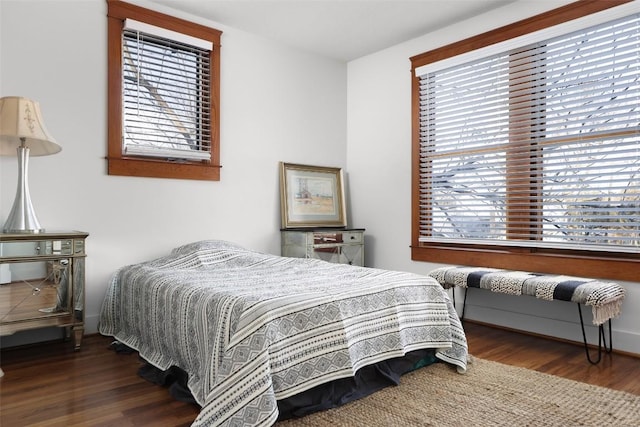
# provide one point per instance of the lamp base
(22, 218)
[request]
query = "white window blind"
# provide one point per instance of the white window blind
(166, 96)
(538, 145)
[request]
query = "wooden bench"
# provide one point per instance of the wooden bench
(605, 298)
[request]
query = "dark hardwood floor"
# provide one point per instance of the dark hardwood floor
(51, 385)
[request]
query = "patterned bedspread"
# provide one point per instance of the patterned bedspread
(250, 328)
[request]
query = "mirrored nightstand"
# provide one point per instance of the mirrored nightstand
(44, 282)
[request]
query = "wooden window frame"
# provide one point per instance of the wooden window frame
(120, 164)
(619, 266)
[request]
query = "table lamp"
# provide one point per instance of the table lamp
(22, 132)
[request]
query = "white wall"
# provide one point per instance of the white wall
(278, 104)
(379, 165)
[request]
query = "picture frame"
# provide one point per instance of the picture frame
(311, 196)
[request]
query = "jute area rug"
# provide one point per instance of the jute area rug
(489, 394)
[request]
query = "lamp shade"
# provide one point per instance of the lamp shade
(21, 121)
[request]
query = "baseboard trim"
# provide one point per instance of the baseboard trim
(547, 337)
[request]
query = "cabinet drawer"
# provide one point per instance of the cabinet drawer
(327, 238)
(352, 237)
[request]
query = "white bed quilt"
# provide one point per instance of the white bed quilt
(250, 328)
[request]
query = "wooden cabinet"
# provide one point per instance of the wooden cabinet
(342, 246)
(43, 281)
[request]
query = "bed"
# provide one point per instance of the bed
(252, 329)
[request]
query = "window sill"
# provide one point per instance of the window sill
(163, 169)
(572, 263)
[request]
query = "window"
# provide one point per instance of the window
(529, 156)
(164, 80)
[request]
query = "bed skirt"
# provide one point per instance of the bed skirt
(367, 380)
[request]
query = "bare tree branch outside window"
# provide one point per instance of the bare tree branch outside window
(164, 93)
(547, 150)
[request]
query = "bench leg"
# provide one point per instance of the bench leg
(602, 340)
(464, 302)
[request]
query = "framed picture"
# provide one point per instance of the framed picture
(311, 196)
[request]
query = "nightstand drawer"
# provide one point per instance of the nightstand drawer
(353, 237)
(322, 238)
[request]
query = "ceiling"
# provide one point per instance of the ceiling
(339, 29)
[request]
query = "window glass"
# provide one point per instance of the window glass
(165, 98)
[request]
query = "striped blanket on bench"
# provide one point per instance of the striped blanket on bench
(605, 298)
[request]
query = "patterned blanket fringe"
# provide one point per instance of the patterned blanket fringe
(606, 311)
